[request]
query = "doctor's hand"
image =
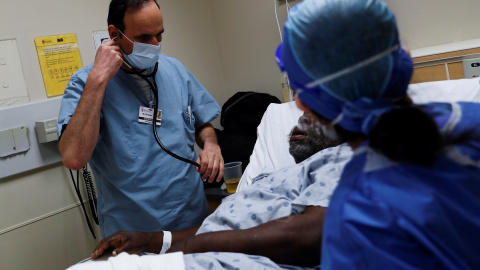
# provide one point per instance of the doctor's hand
(211, 163)
(108, 61)
(130, 242)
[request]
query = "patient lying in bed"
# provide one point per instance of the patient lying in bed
(278, 218)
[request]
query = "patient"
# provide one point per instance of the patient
(304, 140)
(279, 216)
(271, 150)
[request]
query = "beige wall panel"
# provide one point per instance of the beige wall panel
(429, 74)
(446, 55)
(54, 243)
(456, 70)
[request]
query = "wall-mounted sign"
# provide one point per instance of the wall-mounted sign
(59, 58)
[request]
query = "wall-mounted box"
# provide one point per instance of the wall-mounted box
(39, 154)
(46, 130)
(471, 68)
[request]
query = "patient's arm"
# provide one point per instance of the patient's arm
(138, 242)
(294, 239)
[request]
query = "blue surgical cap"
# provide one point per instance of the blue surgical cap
(345, 58)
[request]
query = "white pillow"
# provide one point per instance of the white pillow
(445, 91)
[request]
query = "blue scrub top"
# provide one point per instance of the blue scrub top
(386, 215)
(140, 187)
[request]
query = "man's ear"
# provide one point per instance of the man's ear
(113, 32)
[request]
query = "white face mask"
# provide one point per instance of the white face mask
(329, 133)
(143, 55)
(321, 129)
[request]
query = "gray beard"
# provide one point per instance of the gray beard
(301, 150)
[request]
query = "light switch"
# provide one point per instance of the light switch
(21, 139)
(7, 143)
(13, 141)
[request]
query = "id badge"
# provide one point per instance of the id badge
(145, 115)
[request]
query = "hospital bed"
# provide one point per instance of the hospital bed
(429, 84)
(436, 91)
(271, 148)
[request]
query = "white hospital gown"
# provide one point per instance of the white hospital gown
(283, 193)
(232, 261)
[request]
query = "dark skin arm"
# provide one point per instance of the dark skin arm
(291, 240)
(138, 242)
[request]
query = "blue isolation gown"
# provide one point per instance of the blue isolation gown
(385, 215)
(140, 187)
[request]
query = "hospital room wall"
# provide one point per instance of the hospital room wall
(40, 227)
(429, 23)
(228, 46)
(247, 34)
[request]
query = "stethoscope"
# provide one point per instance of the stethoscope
(154, 88)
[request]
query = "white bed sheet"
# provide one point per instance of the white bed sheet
(271, 148)
(445, 91)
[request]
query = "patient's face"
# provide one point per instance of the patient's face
(307, 138)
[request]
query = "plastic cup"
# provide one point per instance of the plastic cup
(231, 175)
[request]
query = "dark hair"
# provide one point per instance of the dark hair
(406, 134)
(117, 9)
(347, 135)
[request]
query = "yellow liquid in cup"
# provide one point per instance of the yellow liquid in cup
(232, 185)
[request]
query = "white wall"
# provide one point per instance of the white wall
(247, 36)
(426, 23)
(39, 229)
(33, 236)
(189, 36)
(228, 45)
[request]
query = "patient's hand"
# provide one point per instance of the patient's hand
(130, 242)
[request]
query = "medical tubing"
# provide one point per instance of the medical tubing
(92, 197)
(81, 202)
(154, 89)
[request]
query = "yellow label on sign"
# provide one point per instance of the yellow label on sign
(59, 58)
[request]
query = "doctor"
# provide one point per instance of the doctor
(410, 196)
(102, 120)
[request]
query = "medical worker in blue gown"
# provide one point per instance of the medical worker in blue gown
(410, 196)
(103, 120)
